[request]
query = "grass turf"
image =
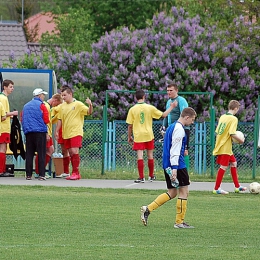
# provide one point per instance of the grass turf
(84, 223)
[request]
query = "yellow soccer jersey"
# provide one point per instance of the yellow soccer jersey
(49, 125)
(2, 113)
(227, 126)
(6, 125)
(141, 117)
(72, 118)
(54, 114)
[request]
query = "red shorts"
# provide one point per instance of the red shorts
(5, 138)
(60, 140)
(144, 145)
(74, 142)
(49, 143)
(225, 159)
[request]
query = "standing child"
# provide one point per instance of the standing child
(174, 146)
(140, 123)
(71, 119)
(226, 129)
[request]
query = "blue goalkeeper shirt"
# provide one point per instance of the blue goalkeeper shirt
(174, 146)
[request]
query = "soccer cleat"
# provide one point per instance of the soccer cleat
(36, 176)
(220, 191)
(64, 175)
(74, 177)
(152, 178)
(140, 180)
(182, 225)
(240, 189)
(144, 214)
(41, 178)
(28, 178)
(47, 176)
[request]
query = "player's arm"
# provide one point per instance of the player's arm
(45, 114)
(58, 126)
(169, 109)
(239, 140)
(130, 131)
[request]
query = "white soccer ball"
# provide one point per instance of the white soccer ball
(240, 135)
(254, 187)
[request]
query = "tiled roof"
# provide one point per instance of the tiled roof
(12, 41)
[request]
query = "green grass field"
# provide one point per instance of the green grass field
(83, 223)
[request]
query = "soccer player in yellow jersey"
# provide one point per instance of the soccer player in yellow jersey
(140, 123)
(71, 119)
(2, 115)
(226, 129)
(64, 151)
(54, 101)
(8, 87)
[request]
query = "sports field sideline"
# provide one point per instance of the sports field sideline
(116, 184)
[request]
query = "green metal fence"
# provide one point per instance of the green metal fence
(118, 154)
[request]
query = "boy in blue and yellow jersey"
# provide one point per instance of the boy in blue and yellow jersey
(140, 122)
(226, 129)
(173, 157)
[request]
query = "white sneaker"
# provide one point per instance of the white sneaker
(220, 191)
(64, 175)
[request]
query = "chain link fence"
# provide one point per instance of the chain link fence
(119, 156)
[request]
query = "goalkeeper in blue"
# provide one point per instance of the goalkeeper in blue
(173, 156)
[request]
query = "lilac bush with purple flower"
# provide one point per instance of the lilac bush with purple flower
(173, 48)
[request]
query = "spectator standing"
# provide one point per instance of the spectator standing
(172, 91)
(35, 118)
(173, 158)
(7, 89)
(226, 128)
(71, 119)
(140, 124)
(54, 101)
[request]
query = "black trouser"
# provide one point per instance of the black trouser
(35, 142)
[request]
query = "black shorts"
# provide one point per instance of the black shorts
(182, 176)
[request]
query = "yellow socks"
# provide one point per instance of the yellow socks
(160, 200)
(181, 207)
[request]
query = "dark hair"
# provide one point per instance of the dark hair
(67, 89)
(174, 85)
(7, 82)
(139, 94)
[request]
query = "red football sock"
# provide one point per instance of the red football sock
(219, 178)
(66, 164)
(233, 171)
(140, 167)
(47, 159)
(2, 162)
(75, 160)
(151, 167)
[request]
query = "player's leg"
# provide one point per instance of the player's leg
(181, 203)
(159, 201)
(140, 164)
(150, 148)
(75, 144)
(223, 161)
(233, 171)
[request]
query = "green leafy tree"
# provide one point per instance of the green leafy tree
(73, 31)
(111, 14)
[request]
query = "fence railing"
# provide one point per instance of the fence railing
(118, 154)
